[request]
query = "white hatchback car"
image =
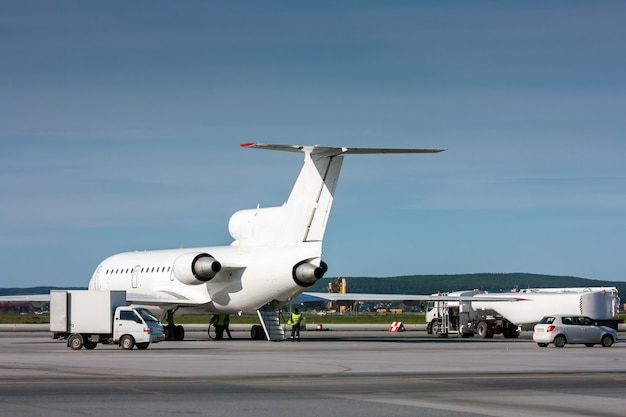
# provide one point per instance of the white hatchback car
(561, 330)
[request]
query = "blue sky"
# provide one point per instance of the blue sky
(120, 125)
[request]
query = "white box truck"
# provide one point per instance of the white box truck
(85, 318)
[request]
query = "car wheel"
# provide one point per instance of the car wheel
(542, 344)
(607, 340)
(560, 341)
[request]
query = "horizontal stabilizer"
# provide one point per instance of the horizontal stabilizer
(330, 151)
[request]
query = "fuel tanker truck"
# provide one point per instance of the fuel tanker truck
(508, 314)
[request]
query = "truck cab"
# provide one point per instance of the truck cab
(136, 326)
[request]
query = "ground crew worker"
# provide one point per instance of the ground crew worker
(295, 320)
(226, 326)
(220, 321)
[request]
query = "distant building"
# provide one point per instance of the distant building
(14, 307)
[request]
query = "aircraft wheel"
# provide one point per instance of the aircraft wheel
(257, 332)
(179, 333)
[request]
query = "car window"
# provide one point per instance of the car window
(585, 321)
(147, 316)
(127, 315)
(547, 320)
(567, 320)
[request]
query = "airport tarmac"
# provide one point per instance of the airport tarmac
(346, 373)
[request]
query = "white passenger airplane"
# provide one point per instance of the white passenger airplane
(276, 253)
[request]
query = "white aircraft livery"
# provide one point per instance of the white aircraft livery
(275, 255)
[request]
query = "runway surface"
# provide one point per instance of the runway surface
(334, 373)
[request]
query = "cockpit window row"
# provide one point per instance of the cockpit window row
(132, 270)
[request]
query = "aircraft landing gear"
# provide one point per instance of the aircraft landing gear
(172, 331)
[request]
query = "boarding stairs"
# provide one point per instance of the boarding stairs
(270, 320)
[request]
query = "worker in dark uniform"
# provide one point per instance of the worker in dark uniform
(295, 320)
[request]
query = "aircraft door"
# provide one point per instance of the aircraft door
(135, 276)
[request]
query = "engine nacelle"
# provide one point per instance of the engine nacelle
(195, 268)
(306, 274)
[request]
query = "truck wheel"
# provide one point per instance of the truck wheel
(510, 331)
(142, 346)
(560, 341)
(127, 342)
(435, 327)
(607, 340)
(90, 345)
(75, 341)
(482, 330)
(438, 330)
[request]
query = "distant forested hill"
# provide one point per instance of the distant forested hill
(34, 290)
(429, 284)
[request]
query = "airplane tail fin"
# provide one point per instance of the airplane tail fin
(304, 216)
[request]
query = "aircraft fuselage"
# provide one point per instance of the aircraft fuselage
(248, 279)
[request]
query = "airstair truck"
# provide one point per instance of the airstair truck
(491, 314)
(85, 318)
